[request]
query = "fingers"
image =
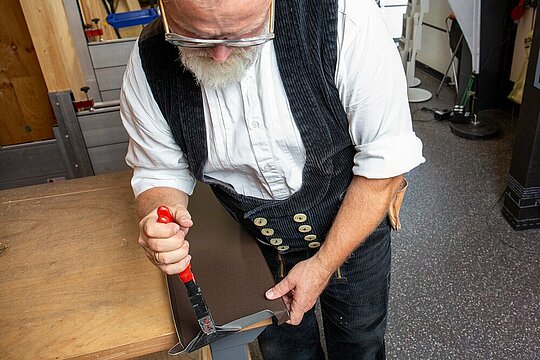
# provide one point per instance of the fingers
(159, 237)
(171, 257)
(151, 228)
(296, 311)
(176, 268)
(182, 217)
(295, 316)
(282, 288)
(169, 269)
(299, 290)
(171, 262)
(164, 244)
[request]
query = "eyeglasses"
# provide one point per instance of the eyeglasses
(185, 41)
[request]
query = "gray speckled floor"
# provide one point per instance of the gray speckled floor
(465, 285)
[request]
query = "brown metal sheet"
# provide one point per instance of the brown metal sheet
(229, 268)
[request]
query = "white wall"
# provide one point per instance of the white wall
(435, 52)
(393, 11)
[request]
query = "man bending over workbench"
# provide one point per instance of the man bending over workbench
(299, 121)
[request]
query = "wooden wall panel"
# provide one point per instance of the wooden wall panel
(54, 45)
(25, 111)
(94, 9)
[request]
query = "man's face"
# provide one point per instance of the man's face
(218, 66)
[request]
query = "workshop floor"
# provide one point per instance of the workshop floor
(465, 285)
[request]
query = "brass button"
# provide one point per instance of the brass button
(276, 241)
(314, 244)
(283, 247)
(310, 237)
(267, 232)
(260, 221)
(304, 228)
(300, 217)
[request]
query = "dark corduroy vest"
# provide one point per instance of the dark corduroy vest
(305, 46)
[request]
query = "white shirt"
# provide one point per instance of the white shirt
(253, 142)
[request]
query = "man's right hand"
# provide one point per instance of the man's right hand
(165, 244)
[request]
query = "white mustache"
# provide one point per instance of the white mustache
(218, 75)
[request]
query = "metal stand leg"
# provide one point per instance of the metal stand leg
(71, 134)
(235, 346)
(451, 64)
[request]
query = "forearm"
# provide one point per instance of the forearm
(153, 198)
(363, 208)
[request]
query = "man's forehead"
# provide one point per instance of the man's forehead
(213, 17)
(223, 6)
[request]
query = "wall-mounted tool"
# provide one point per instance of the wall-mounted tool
(210, 332)
(93, 32)
(87, 104)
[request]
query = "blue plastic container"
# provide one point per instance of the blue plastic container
(132, 18)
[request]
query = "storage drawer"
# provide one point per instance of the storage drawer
(111, 53)
(109, 95)
(30, 163)
(108, 158)
(110, 78)
(102, 128)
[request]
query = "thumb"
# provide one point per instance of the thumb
(282, 288)
(182, 217)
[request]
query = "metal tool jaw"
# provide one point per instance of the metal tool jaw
(210, 332)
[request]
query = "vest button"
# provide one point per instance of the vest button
(304, 228)
(300, 217)
(267, 232)
(260, 221)
(276, 241)
(314, 244)
(283, 247)
(310, 237)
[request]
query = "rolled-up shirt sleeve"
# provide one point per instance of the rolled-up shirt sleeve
(373, 89)
(156, 159)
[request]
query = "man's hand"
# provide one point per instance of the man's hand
(301, 288)
(164, 244)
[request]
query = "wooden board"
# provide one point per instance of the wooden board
(202, 354)
(54, 45)
(73, 281)
(26, 114)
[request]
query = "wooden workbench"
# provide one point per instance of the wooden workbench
(74, 283)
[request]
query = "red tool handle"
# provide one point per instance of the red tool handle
(165, 217)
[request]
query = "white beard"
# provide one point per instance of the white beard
(211, 74)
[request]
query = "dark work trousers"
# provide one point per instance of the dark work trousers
(354, 306)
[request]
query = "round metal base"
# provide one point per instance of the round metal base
(415, 82)
(417, 95)
(483, 129)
